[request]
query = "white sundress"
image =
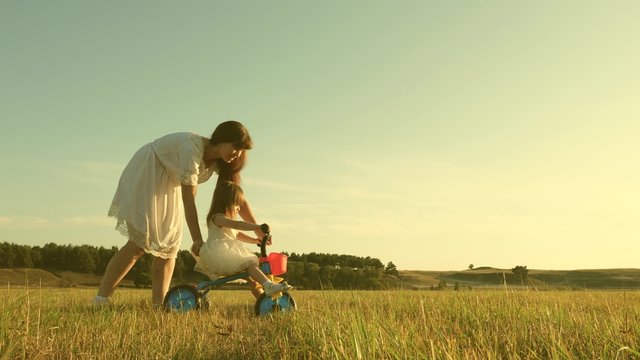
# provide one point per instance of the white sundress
(148, 202)
(223, 254)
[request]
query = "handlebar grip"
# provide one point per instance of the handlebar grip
(265, 228)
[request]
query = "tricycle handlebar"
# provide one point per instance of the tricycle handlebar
(263, 243)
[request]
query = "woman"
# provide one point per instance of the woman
(157, 187)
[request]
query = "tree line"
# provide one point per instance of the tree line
(308, 271)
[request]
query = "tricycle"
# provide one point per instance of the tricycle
(185, 298)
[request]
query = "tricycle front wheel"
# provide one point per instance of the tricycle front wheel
(281, 302)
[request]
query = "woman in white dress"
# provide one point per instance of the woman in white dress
(157, 187)
(224, 252)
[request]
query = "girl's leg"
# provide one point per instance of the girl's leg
(118, 267)
(254, 287)
(161, 273)
(268, 286)
(257, 275)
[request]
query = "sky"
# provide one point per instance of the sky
(429, 134)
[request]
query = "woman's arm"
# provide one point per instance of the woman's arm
(191, 215)
(247, 215)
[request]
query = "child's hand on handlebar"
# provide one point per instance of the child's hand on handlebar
(259, 240)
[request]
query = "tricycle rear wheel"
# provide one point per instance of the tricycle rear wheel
(182, 298)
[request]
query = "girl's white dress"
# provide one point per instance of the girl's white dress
(223, 254)
(148, 202)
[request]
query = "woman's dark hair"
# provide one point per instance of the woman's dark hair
(226, 195)
(235, 133)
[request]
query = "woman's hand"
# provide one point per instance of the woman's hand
(191, 215)
(195, 248)
(261, 232)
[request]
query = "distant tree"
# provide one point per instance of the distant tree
(372, 277)
(7, 255)
(391, 269)
(311, 275)
(82, 260)
(22, 256)
(442, 285)
(470, 266)
(311, 271)
(142, 266)
(295, 271)
(373, 262)
(372, 284)
(103, 256)
(346, 278)
(142, 279)
(3, 256)
(179, 270)
(521, 271)
(327, 276)
(51, 256)
(350, 261)
(36, 257)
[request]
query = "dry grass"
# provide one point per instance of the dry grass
(60, 324)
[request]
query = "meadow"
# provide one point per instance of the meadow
(57, 323)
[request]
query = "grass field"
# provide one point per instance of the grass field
(44, 323)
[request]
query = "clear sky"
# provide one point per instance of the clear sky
(428, 133)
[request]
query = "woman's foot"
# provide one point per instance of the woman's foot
(100, 301)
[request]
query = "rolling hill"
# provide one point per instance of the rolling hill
(541, 279)
(52, 278)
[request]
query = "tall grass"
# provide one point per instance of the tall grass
(60, 324)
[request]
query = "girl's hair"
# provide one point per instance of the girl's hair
(226, 195)
(231, 132)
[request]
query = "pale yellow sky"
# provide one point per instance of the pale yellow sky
(430, 134)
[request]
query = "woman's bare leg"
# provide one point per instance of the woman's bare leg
(118, 267)
(161, 274)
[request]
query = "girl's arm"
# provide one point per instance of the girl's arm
(247, 239)
(222, 221)
(191, 215)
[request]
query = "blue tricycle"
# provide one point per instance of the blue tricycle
(185, 298)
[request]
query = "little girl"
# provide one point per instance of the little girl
(223, 253)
